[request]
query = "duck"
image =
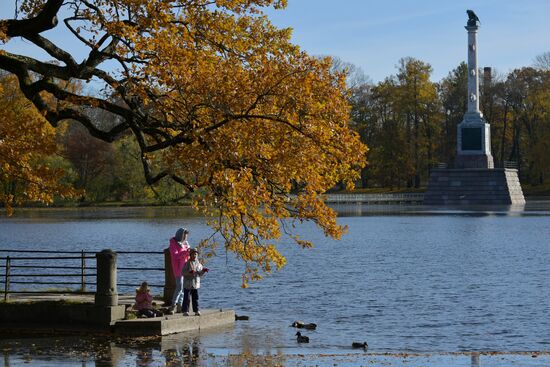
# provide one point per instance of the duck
(303, 325)
(241, 317)
(363, 345)
(301, 338)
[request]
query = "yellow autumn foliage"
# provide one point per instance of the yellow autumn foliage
(25, 143)
(221, 101)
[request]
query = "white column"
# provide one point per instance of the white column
(473, 133)
(473, 79)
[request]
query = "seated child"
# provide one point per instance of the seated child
(144, 302)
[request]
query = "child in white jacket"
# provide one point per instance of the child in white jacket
(192, 272)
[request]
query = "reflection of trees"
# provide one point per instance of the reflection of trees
(108, 355)
(258, 350)
(144, 357)
(475, 359)
(186, 353)
(252, 360)
(177, 351)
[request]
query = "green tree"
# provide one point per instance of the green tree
(90, 158)
(389, 156)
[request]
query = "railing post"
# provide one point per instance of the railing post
(83, 271)
(7, 280)
(169, 281)
(106, 291)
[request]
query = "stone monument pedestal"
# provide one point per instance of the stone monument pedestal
(474, 161)
(474, 181)
(474, 186)
(473, 142)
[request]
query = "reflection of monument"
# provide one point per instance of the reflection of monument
(474, 180)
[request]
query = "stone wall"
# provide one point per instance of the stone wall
(59, 313)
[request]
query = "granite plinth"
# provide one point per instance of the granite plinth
(474, 161)
(474, 186)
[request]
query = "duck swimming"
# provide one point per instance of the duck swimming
(303, 325)
(363, 345)
(301, 338)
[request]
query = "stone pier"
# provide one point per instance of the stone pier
(177, 323)
(103, 311)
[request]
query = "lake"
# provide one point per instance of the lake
(423, 281)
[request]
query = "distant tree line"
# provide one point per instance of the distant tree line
(409, 122)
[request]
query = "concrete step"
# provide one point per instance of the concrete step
(177, 323)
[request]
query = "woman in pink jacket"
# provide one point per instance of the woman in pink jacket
(179, 254)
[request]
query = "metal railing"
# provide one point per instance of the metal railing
(68, 268)
(375, 198)
(140, 269)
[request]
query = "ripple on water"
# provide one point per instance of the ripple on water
(421, 281)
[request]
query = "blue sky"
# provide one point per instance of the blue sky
(374, 35)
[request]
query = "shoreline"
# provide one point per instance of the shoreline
(529, 196)
(187, 349)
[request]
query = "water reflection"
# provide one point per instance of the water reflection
(181, 350)
(144, 357)
(531, 208)
(102, 213)
(475, 360)
(175, 351)
(178, 352)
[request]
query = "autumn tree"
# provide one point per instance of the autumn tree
(452, 90)
(127, 182)
(215, 96)
(89, 156)
(528, 94)
(419, 108)
(28, 152)
(361, 103)
(542, 61)
(359, 97)
(389, 156)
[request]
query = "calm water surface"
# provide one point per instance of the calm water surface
(406, 279)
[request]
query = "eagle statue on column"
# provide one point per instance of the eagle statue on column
(472, 17)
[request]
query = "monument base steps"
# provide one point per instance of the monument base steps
(475, 186)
